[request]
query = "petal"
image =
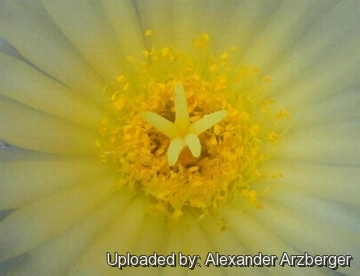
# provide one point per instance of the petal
(26, 181)
(300, 231)
(89, 34)
(189, 238)
(152, 232)
(25, 30)
(227, 242)
(49, 217)
(23, 83)
(248, 20)
(150, 240)
(157, 16)
(327, 110)
(256, 236)
(70, 245)
(332, 74)
(124, 20)
(335, 182)
(285, 26)
(334, 144)
(11, 153)
(187, 23)
(31, 129)
(119, 237)
(333, 26)
(340, 216)
(193, 18)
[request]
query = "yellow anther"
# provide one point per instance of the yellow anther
(213, 68)
(283, 114)
(164, 52)
(119, 103)
(273, 137)
(202, 41)
(120, 78)
(266, 79)
(126, 86)
(224, 56)
(148, 32)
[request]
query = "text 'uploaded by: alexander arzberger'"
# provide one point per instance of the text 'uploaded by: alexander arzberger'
(218, 260)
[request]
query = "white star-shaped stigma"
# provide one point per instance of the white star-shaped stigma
(181, 132)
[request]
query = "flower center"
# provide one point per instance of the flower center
(192, 132)
(182, 133)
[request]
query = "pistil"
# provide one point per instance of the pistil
(181, 132)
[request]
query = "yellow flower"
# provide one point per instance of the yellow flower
(95, 156)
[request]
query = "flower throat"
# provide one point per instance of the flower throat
(191, 134)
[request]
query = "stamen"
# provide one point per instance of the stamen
(202, 156)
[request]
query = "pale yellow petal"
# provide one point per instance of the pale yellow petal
(250, 17)
(70, 245)
(189, 238)
(334, 182)
(89, 34)
(25, 181)
(226, 242)
(31, 129)
(10, 153)
(23, 83)
(256, 236)
(284, 27)
(124, 20)
(119, 236)
(333, 26)
(328, 212)
(214, 26)
(334, 144)
(336, 72)
(150, 240)
(327, 110)
(31, 225)
(156, 15)
(187, 23)
(26, 29)
(300, 231)
(177, 241)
